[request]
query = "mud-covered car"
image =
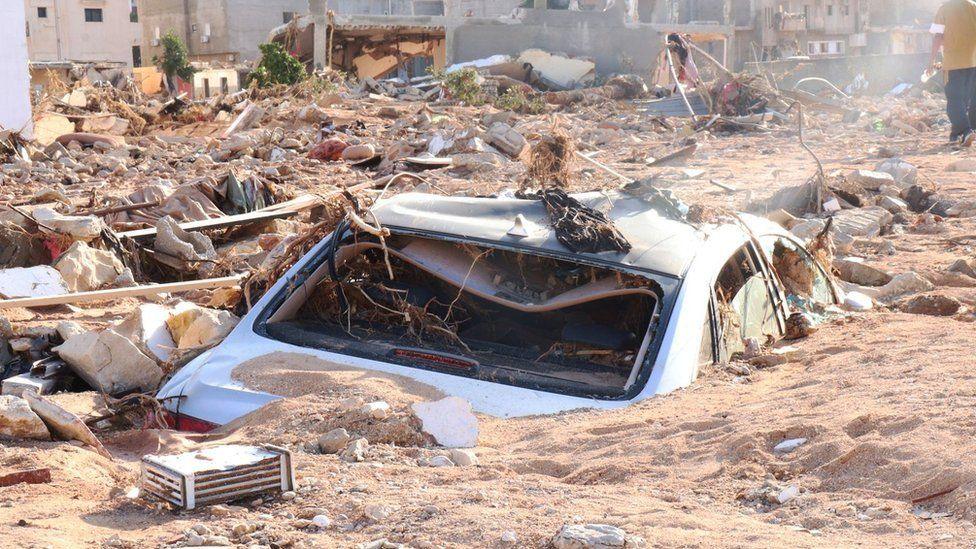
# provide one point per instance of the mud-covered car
(478, 298)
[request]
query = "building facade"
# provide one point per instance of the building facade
(96, 31)
(215, 31)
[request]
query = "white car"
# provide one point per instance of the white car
(488, 305)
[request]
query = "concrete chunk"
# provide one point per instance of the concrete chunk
(192, 326)
(87, 227)
(85, 268)
(146, 328)
(39, 281)
(594, 536)
(17, 420)
(870, 180)
(109, 362)
(450, 421)
(867, 222)
(506, 139)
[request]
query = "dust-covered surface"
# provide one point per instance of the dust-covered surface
(884, 398)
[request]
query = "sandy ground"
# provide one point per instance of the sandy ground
(885, 400)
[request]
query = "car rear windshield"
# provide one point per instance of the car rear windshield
(471, 310)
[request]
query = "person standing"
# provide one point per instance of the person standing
(954, 32)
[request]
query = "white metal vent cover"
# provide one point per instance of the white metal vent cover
(217, 474)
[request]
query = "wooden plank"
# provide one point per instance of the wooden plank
(216, 223)
(116, 293)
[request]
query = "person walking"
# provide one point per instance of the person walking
(954, 32)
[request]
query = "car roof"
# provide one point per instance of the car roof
(658, 244)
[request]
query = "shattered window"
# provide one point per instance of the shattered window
(798, 271)
(477, 311)
(746, 308)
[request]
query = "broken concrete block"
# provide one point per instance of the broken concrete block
(39, 281)
(964, 266)
(860, 273)
(180, 248)
(866, 222)
(63, 424)
(893, 204)
(85, 268)
(904, 174)
(870, 180)
(80, 227)
(68, 329)
(355, 451)
(595, 536)
(193, 326)
(17, 420)
(806, 229)
(463, 458)
(505, 138)
(904, 283)
(557, 71)
(146, 328)
(24, 383)
(450, 421)
(109, 362)
(856, 301)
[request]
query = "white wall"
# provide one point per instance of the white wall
(15, 109)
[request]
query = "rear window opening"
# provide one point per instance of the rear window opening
(486, 313)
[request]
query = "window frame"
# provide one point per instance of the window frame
(91, 13)
(42, 12)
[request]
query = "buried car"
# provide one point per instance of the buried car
(482, 299)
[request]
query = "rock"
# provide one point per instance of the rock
(216, 541)
(192, 326)
(80, 227)
(17, 420)
(85, 268)
(789, 445)
(505, 138)
(329, 150)
(933, 305)
(860, 273)
(440, 461)
(109, 362)
(787, 494)
(799, 325)
(180, 248)
(964, 266)
(870, 180)
(39, 281)
(63, 424)
(509, 537)
(777, 356)
(334, 441)
(806, 229)
(351, 403)
(355, 451)
(358, 153)
(321, 522)
(856, 301)
(450, 421)
(146, 328)
(893, 204)
(594, 536)
(288, 495)
(866, 222)
(376, 410)
(69, 328)
(904, 283)
(902, 172)
(463, 458)
(194, 539)
(377, 512)
(962, 165)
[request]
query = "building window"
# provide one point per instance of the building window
(42, 13)
(133, 12)
(830, 9)
(287, 16)
(224, 88)
(136, 56)
(206, 87)
(93, 15)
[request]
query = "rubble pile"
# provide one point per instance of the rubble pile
(137, 231)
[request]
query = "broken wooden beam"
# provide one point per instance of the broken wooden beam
(116, 293)
(680, 154)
